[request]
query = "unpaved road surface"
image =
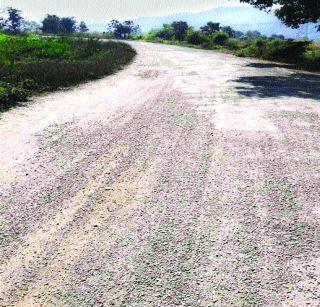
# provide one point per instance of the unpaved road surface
(190, 178)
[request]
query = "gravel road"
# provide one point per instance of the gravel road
(190, 178)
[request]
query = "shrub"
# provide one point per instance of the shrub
(29, 84)
(10, 95)
(233, 44)
(274, 49)
(18, 94)
(166, 33)
(206, 44)
(220, 38)
(285, 50)
(4, 98)
(196, 38)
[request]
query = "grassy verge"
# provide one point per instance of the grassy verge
(31, 64)
(301, 55)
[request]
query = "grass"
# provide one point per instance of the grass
(54, 136)
(290, 115)
(31, 64)
(2, 206)
(285, 190)
(184, 120)
(50, 197)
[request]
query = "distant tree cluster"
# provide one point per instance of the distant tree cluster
(180, 29)
(14, 24)
(212, 31)
(52, 24)
(210, 28)
(122, 30)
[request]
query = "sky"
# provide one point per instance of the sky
(105, 10)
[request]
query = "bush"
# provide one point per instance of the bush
(29, 84)
(4, 98)
(166, 33)
(220, 38)
(275, 50)
(196, 38)
(233, 44)
(18, 94)
(285, 50)
(206, 44)
(10, 95)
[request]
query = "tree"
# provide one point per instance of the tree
(229, 31)
(83, 27)
(253, 34)
(128, 28)
(278, 36)
(14, 21)
(210, 27)
(292, 12)
(115, 27)
(238, 34)
(165, 33)
(51, 24)
(67, 25)
(180, 29)
(122, 30)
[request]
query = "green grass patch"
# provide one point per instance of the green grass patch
(53, 136)
(30, 64)
(285, 190)
(290, 115)
(50, 197)
(184, 120)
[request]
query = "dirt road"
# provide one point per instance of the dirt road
(191, 178)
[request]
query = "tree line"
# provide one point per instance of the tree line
(291, 13)
(181, 31)
(14, 23)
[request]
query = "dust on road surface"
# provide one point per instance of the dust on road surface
(190, 178)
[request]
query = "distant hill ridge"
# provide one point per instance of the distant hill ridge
(240, 18)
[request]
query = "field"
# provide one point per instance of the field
(31, 64)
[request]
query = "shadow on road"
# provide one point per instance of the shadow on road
(268, 65)
(295, 85)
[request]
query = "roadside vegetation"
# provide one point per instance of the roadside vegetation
(31, 64)
(60, 51)
(303, 54)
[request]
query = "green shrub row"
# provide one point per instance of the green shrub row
(302, 54)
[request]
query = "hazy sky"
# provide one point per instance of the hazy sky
(104, 10)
